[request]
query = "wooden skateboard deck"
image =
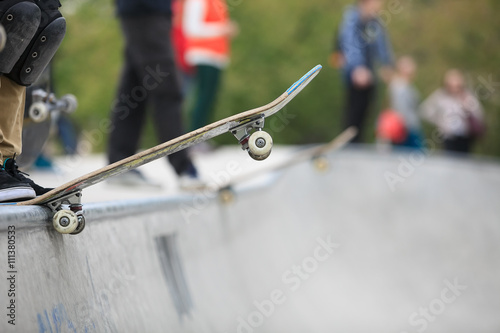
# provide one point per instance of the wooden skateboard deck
(315, 154)
(239, 125)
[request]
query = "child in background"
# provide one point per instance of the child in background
(456, 112)
(404, 99)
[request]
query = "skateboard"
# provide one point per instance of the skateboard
(315, 154)
(65, 200)
(42, 107)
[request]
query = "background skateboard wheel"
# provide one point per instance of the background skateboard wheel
(65, 221)
(321, 163)
(70, 103)
(226, 196)
(260, 144)
(38, 112)
(81, 225)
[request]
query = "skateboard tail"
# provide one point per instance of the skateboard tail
(307, 77)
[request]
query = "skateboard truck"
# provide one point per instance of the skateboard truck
(259, 143)
(68, 221)
(44, 103)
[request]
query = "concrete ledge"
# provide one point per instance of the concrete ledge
(38, 216)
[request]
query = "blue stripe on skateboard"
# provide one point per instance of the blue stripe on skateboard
(8, 203)
(302, 79)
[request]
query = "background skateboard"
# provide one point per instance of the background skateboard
(315, 154)
(41, 110)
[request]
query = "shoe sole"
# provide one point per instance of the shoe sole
(17, 193)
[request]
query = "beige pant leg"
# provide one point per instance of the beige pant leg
(12, 99)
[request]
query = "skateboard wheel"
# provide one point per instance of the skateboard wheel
(65, 221)
(321, 163)
(81, 225)
(70, 103)
(38, 112)
(226, 196)
(260, 144)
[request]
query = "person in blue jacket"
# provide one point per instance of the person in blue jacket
(364, 43)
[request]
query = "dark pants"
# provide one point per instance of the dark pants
(149, 77)
(207, 84)
(460, 144)
(357, 106)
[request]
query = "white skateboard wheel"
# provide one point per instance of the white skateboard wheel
(38, 112)
(226, 196)
(65, 221)
(71, 103)
(321, 163)
(260, 144)
(81, 225)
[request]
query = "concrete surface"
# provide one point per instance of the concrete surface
(298, 251)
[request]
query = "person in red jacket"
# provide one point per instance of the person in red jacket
(179, 43)
(208, 32)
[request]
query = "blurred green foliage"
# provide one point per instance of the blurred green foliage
(282, 39)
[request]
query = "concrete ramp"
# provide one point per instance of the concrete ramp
(377, 243)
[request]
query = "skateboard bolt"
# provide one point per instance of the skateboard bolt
(260, 142)
(64, 221)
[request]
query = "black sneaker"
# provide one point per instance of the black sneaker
(12, 169)
(12, 189)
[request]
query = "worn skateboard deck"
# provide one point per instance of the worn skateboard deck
(315, 154)
(203, 134)
(70, 193)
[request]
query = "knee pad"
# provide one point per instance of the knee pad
(20, 21)
(39, 53)
(42, 46)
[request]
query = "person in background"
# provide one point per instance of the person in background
(149, 75)
(179, 43)
(208, 32)
(456, 112)
(363, 42)
(404, 99)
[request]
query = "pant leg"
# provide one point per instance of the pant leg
(67, 135)
(458, 144)
(127, 116)
(152, 57)
(357, 106)
(207, 85)
(12, 99)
